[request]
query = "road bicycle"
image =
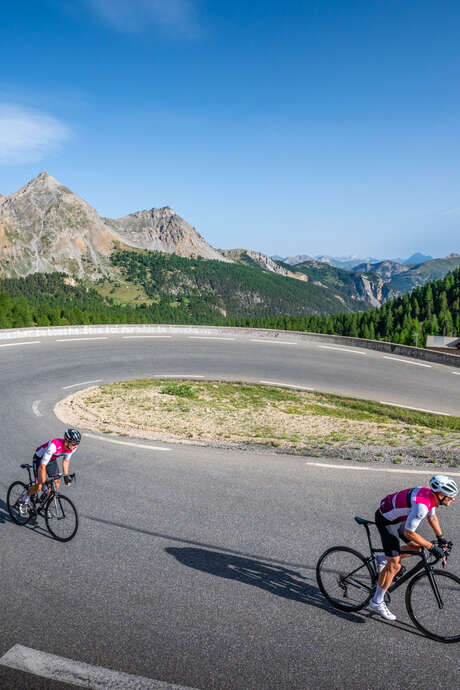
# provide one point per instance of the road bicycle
(348, 580)
(61, 517)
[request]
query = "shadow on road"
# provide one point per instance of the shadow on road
(274, 576)
(4, 514)
(181, 540)
(282, 582)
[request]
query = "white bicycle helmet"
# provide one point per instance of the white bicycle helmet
(444, 484)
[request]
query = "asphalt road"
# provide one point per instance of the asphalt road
(195, 566)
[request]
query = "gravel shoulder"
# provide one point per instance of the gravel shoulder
(259, 416)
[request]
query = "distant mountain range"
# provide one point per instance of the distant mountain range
(46, 228)
(349, 262)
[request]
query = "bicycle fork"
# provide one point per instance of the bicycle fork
(434, 587)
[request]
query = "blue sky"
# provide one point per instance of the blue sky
(303, 126)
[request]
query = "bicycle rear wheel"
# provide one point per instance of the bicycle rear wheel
(345, 578)
(15, 492)
(61, 518)
(441, 624)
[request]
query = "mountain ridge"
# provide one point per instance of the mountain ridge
(44, 226)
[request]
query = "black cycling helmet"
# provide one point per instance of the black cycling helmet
(72, 435)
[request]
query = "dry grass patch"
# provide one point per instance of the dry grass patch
(239, 412)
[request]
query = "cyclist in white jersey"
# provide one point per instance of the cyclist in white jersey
(45, 463)
(397, 520)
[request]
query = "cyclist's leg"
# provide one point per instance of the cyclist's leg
(37, 486)
(50, 470)
(391, 548)
(389, 572)
(390, 543)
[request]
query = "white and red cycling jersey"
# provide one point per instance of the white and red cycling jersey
(409, 506)
(53, 450)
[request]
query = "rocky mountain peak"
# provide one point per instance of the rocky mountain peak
(162, 230)
(45, 227)
(43, 180)
(249, 256)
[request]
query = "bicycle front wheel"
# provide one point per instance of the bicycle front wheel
(15, 492)
(61, 518)
(439, 623)
(345, 578)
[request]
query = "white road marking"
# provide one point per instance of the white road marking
(78, 673)
(342, 349)
(35, 409)
(127, 337)
(125, 443)
(178, 376)
(271, 342)
(286, 385)
(405, 361)
(418, 409)
(457, 373)
(82, 383)
(373, 469)
(28, 342)
(207, 337)
(70, 340)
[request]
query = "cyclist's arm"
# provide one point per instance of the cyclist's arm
(434, 524)
(416, 515)
(418, 539)
(66, 465)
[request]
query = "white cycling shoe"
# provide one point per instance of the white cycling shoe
(383, 610)
(24, 509)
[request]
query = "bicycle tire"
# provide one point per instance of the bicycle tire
(332, 570)
(52, 520)
(15, 491)
(420, 596)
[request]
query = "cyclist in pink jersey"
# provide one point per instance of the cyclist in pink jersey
(398, 518)
(45, 463)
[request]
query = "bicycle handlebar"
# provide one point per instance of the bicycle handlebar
(447, 549)
(59, 476)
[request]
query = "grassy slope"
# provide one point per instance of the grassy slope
(235, 288)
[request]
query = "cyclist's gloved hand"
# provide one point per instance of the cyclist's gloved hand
(437, 551)
(67, 480)
(442, 541)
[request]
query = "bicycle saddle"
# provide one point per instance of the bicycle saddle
(363, 521)
(26, 465)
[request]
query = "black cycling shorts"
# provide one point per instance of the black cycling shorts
(52, 468)
(390, 541)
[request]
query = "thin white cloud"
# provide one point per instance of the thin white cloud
(28, 135)
(139, 15)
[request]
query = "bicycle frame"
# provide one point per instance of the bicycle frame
(423, 564)
(50, 482)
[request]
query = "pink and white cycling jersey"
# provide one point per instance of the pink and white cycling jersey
(53, 450)
(409, 506)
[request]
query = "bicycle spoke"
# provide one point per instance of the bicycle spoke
(439, 622)
(345, 578)
(61, 518)
(15, 492)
